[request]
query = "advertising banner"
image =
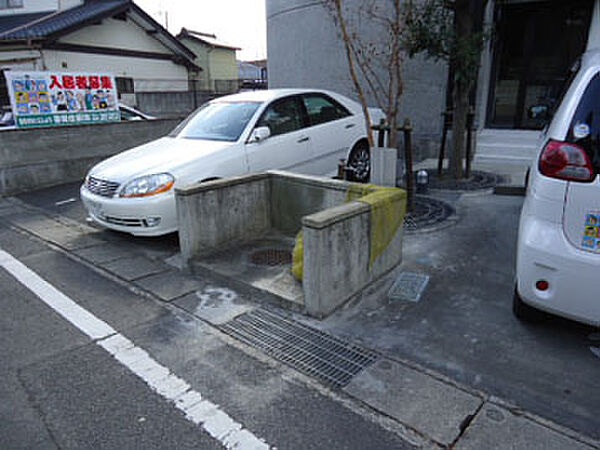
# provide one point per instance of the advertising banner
(41, 99)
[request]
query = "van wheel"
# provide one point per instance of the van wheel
(523, 311)
(360, 161)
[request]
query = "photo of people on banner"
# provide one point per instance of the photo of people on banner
(54, 99)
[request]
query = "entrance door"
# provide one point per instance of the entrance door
(535, 44)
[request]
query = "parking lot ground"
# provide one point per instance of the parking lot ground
(526, 384)
(64, 390)
(463, 326)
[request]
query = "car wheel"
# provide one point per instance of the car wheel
(360, 162)
(523, 311)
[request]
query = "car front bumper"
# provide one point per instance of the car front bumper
(147, 216)
(544, 253)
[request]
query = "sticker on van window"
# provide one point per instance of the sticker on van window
(581, 130)
(591, 232)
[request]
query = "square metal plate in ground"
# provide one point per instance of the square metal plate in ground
(408, 286)
(301, 347)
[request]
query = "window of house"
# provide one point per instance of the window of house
(9, 4)
(124, 85)
(322, 109)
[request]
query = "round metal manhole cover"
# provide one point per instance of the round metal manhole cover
(271, 257)
(427, 213)
(477, 181)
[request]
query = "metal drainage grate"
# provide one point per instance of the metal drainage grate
(271, 257)
(408, 286)
(301, 347)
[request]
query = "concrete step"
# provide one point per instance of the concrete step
(509, 137)
(506, 145)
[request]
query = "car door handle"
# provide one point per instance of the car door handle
(350, 125)
(304, 139)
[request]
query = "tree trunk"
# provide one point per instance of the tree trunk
(463, 27)
(361, 95)
(459, 124)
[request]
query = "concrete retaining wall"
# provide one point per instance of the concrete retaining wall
(171, 104)
(36, 158)
(219, 212)
(336, 256)
(293, 197)
(337, 239)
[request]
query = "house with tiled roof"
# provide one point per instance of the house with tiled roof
(217, 58)
(114, 36)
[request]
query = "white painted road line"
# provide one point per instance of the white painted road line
(64, 202)
(160, 379)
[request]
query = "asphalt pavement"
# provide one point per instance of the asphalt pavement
(62, 389)
(454, 369)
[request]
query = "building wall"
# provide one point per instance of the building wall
(223, 65)
(201, 60)
(217, 64)
(304, 50)
(148, 74)
(113, 33)
(34, 6)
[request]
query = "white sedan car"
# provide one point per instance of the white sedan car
(558, 250)
(304, 131)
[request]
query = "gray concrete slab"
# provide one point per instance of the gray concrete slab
(131, 268)
(104, 253)
(107, 299)
(50, 230)
(170, 285)
(19, 244)
(497, 428)
(9, 210)
(235, 262)
(216, 305)
(417, 400)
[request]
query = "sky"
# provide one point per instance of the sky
(241, 23)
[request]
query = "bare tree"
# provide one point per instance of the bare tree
(375, 60)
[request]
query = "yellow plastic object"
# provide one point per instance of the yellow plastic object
(298, 257)
(388, 206)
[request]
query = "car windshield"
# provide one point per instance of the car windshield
(217, 121)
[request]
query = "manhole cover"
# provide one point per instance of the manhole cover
(301, 347)
(408, 286)
(428, 212)
(271, 257)
(478, 180)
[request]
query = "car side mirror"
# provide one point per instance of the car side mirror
(259, 134)
(540, 112)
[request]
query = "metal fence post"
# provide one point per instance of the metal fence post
(410, 189)
(447, 123)
(470, 117)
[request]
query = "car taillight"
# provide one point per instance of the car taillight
(566, 161)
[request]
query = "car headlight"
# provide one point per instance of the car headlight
(148, 185)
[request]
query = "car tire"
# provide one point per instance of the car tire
(523, 311)
(360, 162)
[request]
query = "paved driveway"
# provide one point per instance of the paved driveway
(462, 327)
